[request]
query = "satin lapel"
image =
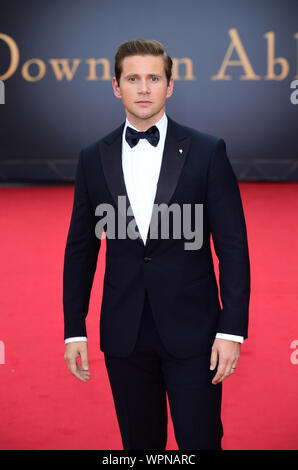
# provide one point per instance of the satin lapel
(175, 152)
(111, 158)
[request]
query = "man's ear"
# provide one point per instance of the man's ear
(116, 88)
(170, 88)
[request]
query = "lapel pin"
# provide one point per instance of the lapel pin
(181, 151)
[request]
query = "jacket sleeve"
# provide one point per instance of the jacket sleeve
(228, 229)
(80, 258)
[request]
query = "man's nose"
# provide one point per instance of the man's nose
(144, 86)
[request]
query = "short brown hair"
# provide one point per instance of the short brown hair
(142, 47)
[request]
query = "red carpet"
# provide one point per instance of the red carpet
(43, 407)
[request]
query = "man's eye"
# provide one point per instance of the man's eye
(154, 79)
(132, 79)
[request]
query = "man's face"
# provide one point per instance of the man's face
(143, 89)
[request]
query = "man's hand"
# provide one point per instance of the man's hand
(72, 352)
(226, 353)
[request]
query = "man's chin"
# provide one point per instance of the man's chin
(146, 114)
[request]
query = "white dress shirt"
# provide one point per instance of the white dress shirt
(141, 167)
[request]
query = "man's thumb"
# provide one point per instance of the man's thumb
(84, 360)
(213, 359)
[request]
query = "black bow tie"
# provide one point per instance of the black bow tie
(132, 136)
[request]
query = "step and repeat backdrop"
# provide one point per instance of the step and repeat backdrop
(235, 70)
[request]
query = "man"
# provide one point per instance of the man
(162, 329)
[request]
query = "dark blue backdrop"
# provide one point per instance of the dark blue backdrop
(46, 121)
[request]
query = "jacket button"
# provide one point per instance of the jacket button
(147, 259)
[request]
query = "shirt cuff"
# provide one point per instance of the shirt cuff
(75, 338)
(238, 339)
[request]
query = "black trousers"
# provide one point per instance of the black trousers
(139, 385)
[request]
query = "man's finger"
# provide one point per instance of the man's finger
(220, 372)
(81, 369)
(235, 362)
(229, 369)
(231, 366)
(84, 360)
(213, 359)
(84, 373)
(73, 367)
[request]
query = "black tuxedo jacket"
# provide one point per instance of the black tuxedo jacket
(181, 284)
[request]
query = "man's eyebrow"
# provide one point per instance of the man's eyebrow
(137, 75)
